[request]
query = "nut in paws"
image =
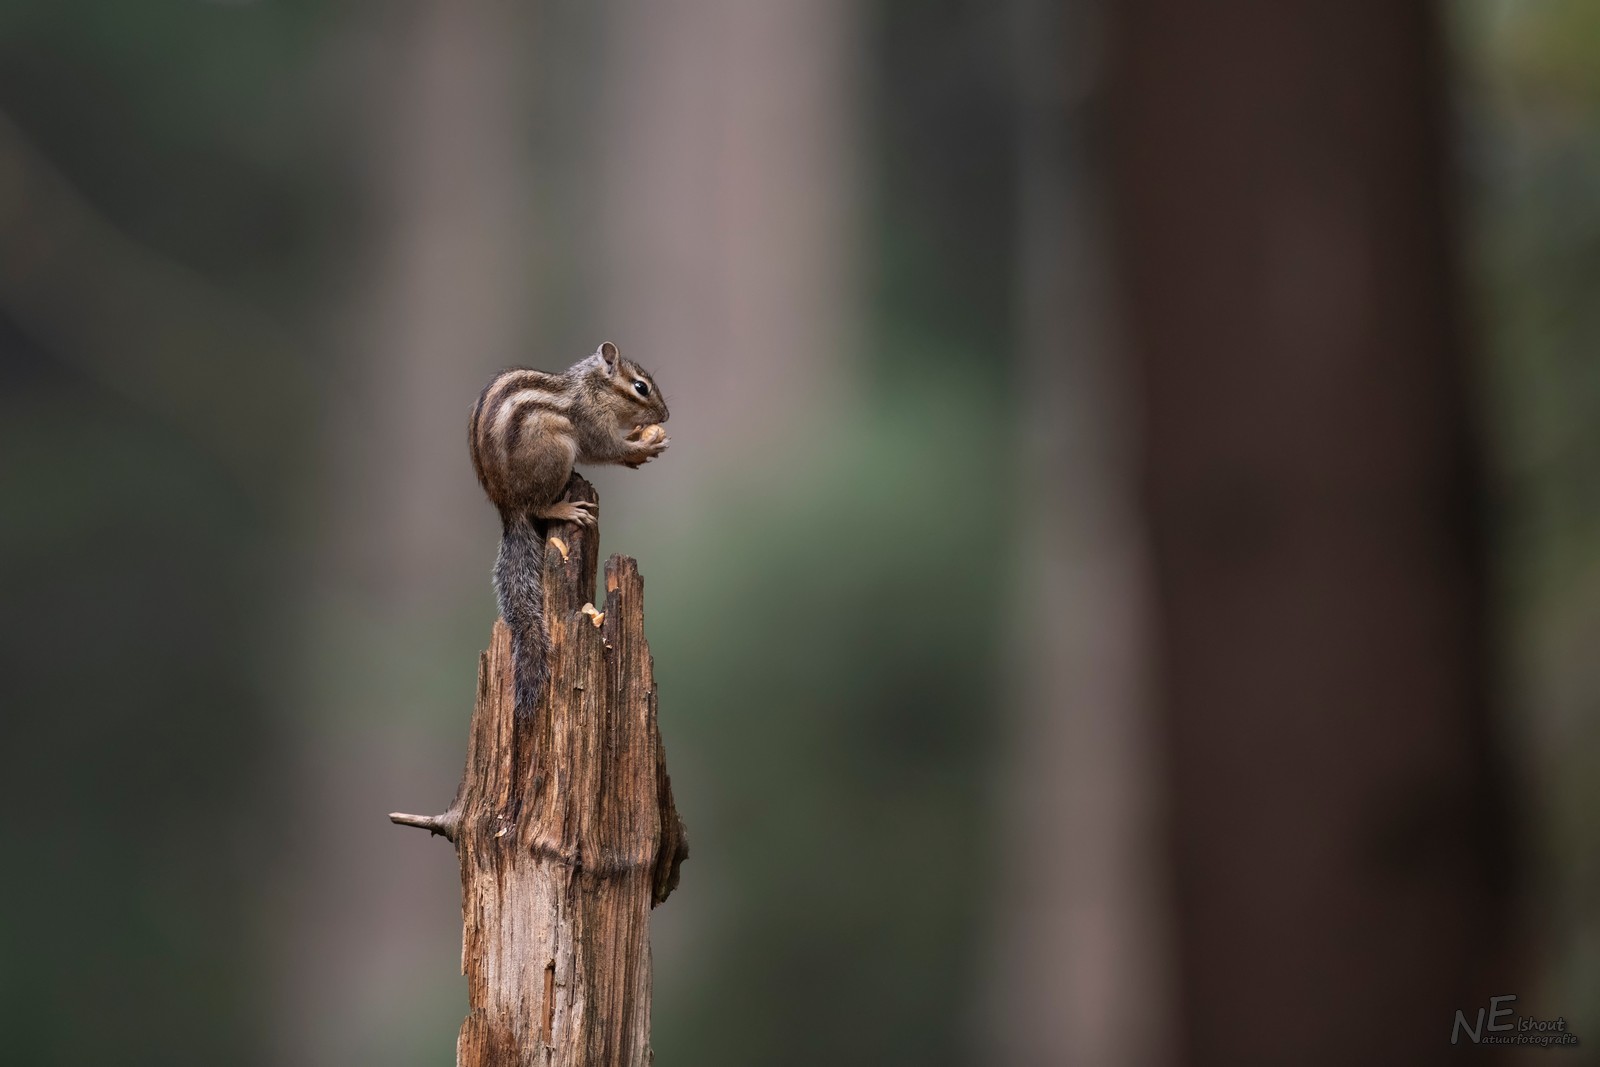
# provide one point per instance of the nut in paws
(649, 435)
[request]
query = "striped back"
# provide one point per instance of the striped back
(499, 420)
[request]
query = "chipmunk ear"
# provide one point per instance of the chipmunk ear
(608, 355)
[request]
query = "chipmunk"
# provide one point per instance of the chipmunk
(527, 430)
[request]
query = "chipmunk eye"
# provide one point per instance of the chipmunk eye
(641, 387)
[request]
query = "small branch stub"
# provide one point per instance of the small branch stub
(443, 825)
(565, 830)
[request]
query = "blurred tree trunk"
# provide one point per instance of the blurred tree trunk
(723, 257)
(402, 540)
(1313, 488)
(1081, 977)
(725, 253)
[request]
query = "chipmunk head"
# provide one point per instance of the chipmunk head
(624, 388)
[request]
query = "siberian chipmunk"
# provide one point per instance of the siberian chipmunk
(527, 430)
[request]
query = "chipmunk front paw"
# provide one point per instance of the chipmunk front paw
(582, 512)
(645, 444)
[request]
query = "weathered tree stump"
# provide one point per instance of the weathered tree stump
(565, 829)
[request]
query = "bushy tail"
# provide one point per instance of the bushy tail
(518, 585)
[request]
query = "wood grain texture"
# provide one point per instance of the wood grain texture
(565, 829)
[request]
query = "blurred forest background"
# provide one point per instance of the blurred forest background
(257, 258)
